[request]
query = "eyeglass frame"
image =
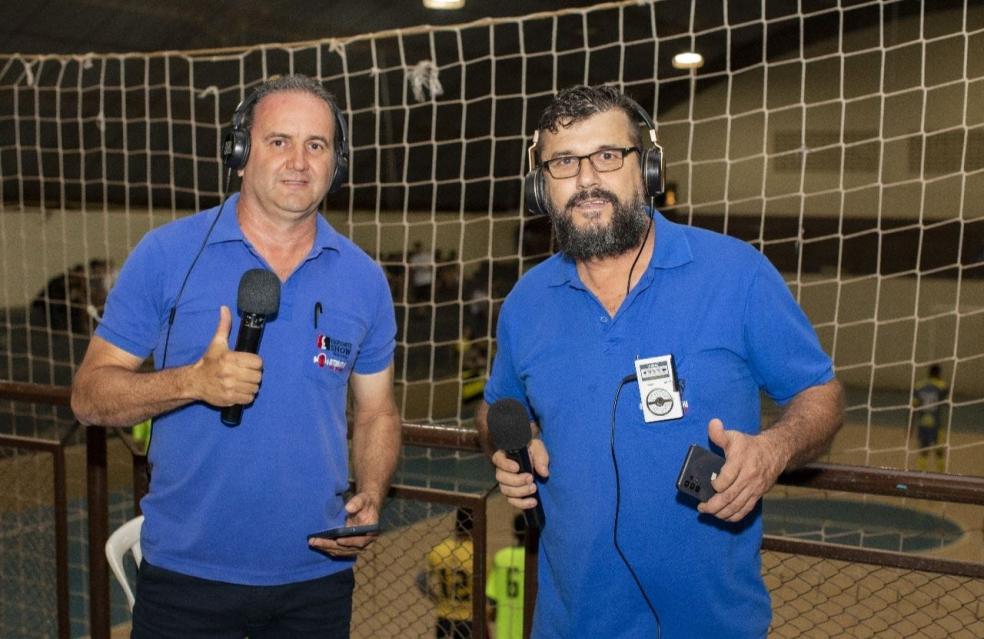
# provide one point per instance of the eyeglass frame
(624, 151)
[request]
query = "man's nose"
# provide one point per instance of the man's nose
(297, 158)
(586, 175)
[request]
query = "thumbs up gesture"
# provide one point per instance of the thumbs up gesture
(223, 377)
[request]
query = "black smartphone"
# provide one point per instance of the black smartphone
(700, 467)
(346, 531)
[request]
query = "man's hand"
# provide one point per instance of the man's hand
(520, 487)
(224, 377)
(751, 468)
(362, 509)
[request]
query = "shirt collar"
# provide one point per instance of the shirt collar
(227, 228)
(672, 249)
(672, 244)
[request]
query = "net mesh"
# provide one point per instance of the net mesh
(844, 142)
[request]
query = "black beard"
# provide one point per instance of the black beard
(622, 234)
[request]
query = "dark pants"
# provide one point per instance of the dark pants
(928, 436)
(171, 605)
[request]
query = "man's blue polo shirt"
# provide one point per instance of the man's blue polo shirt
(727, 317)
(237, 504)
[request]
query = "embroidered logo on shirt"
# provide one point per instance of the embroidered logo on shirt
(334, 353)
(333, 363)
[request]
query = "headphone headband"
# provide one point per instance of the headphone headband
(651, 161)
(245, 106)
(643, 116)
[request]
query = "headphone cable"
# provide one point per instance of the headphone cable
(184, 282)
(618, 501)
(652, 214)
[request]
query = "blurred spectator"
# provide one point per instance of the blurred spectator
(928, 400)
(473, 363)
(421, 272)
(61, 302)
(505, 585)
(448, 283)
(75, 299)
(477, 292)
(449, 579)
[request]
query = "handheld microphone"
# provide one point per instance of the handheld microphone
(509, 426)
(259, 296)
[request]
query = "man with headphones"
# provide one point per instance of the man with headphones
(690, 324)
(229, 511)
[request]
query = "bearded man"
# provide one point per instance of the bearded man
(699, 322)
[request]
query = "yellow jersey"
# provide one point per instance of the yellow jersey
(449, 578)
(505, 586)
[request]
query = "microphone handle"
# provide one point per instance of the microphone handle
(232, 415)
(534, 516)
(248, 341)
(250, 331)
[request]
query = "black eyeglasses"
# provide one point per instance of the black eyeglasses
(603, 161)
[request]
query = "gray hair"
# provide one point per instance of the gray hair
(296, 83)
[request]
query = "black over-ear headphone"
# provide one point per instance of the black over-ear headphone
(235, 146)
(651, 160)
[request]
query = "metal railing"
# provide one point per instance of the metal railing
(97, 506)
(861, 480)
(893, 483)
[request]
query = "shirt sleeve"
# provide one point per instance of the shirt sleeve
(132, 318)
(784, 353)
(504, 381)
(376, 351)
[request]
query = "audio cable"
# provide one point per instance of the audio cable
(618, 502)
(174, 308)
(187, 275)
(652, 214)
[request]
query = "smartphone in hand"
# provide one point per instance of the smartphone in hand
(700, 468)
(345, 531)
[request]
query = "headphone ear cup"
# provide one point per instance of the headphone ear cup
(235, 146)
(341, 171)
(652, 171)
(235, 149)
(341, 153)
(535, 192)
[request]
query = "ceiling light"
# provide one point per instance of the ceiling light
(688, 60)
(444, 4)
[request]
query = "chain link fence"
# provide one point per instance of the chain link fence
(817, 598)
(428, 569)
(27, 544)
(401, 593)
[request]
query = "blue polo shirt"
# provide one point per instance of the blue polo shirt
(237, 504)
(725, 314)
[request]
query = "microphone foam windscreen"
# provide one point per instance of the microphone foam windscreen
(259, 292)
(509, 424)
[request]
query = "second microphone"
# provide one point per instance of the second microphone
(509, 426)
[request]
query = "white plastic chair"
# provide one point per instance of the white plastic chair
(125, 538)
